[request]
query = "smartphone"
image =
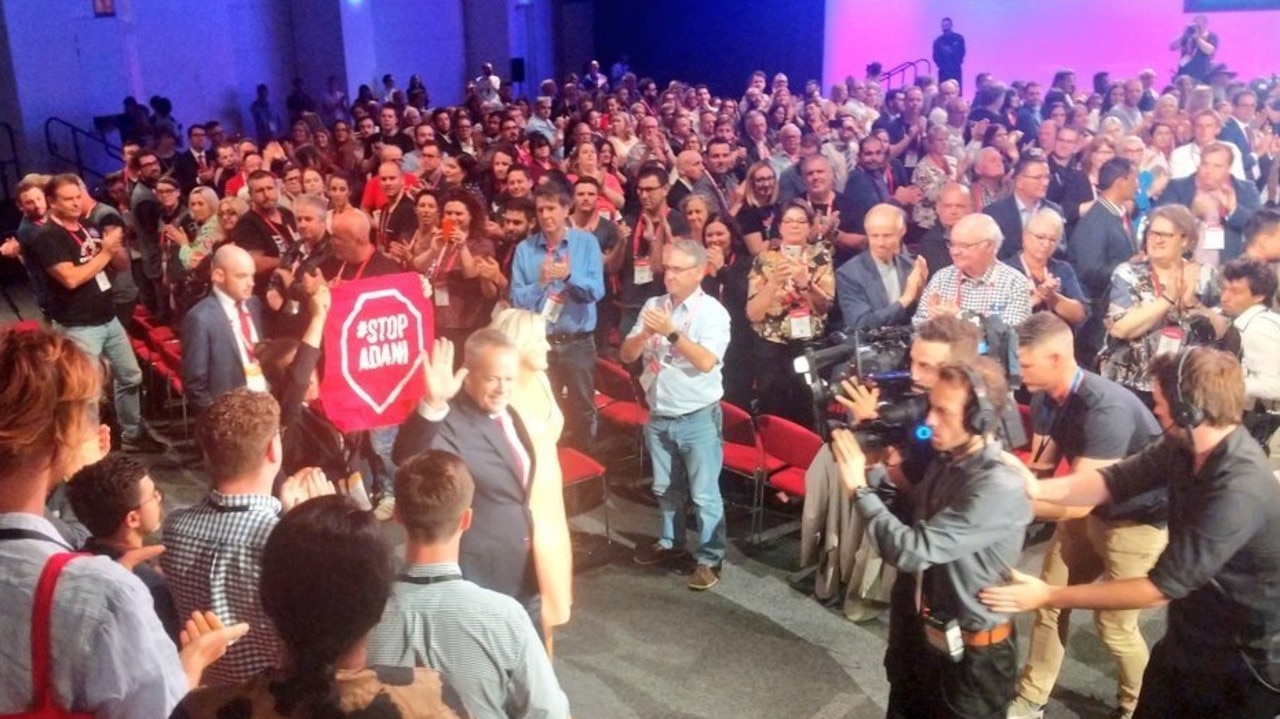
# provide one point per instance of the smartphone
(794, 252)
(446, 228)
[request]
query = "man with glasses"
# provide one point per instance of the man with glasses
(638, 265)
(681, 339)
(1102, 240)
(145, 212)
(1031, 180)
(976, 285)
(119, 503)
(195, 166)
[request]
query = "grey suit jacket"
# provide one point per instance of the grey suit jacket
(211, 363)
(863, 301)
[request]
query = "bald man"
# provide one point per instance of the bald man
(374, 197)
(398, 219)
(692, 179)
(354, 255)
(880, 287)
(954, 202)
(220, 332)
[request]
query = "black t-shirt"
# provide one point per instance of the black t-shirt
(89, 304)
(629, 293)
(378, 265)
(758, 219)
(1102, 420)
(397, 223)
(255, 233)
(1221, 568)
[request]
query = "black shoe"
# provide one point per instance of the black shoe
(655, 553)
(143, 444)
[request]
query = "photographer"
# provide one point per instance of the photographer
(1196, 47)
(947, 653)
(833, 540)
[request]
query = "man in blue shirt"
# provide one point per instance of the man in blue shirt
(559, 273)
(681, 337)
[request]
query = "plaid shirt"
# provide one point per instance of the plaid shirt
(213, 561)
(1001, 292)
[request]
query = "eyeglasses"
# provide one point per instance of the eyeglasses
(647, 190)
(764, 178)
(1154, 235)
(673, 268)
(156, 496)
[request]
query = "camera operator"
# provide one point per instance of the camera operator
(833, 540)
(1091, 422)
(1220, 574)
(1195, 46)
(948, 654)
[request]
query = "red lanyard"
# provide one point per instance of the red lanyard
(638, 231)
(888, 179)
(359, 270)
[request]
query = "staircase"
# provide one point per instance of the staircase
(905, 74)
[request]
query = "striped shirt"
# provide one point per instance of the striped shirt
(1001, 292)
(213, 561)
(110, 654)
(480, 641)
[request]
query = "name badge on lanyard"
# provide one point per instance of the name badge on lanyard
(801, 324)
(442, 296)
(1170, 341)
(104, 282)
(643, 272)
(253, 377)
(552, 309)
(1213, 238)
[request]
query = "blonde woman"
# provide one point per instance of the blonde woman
(203, 206)
(533, 400)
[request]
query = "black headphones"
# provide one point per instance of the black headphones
(980, 416)
(1185, 414)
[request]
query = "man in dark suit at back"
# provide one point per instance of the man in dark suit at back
(880, 287)
(1236, 129)
(195, 166)
(1223, 203)
(1030, 184)
(468, 413)
(1101, 241)
(220, 332)
(872, 183)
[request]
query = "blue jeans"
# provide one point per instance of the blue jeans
(571, 367)
(688, 453)
(111, 341)
(383, 469)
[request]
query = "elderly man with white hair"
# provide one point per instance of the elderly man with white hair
(976, 284)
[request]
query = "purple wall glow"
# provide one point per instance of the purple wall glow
(1030, 39)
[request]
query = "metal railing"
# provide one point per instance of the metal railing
(899, 73)
(85, 150)
(10, 165)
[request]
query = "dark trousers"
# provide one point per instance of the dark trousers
(925, 684)
(739, 367)
(571, 368)
(782, 392)
(1194, 687)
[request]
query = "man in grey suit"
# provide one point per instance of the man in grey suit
(220, 332)
(880, 287)
(467, 413)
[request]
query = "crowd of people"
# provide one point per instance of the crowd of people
(1127, 235)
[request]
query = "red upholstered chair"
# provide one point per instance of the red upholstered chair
(1026, 455)
(788, 449)
(576, 469)
(619, 403)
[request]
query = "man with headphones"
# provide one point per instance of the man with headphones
(1219, 574)
(967, 522)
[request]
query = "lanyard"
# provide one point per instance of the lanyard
(690, 313)
(637, 233)
(274, 227)
(359, 270)
(1057, 415)
(429, 580)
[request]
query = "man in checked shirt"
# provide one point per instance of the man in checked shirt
(977, 284)
(213, 549)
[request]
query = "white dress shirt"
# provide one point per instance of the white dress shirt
(1185, 160)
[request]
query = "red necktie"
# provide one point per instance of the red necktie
(246, 330)
(515, 453)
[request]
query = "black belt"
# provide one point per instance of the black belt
(429, 580)
(561, 338)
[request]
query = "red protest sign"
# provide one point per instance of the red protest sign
(373, 343)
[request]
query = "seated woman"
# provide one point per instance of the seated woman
(790, 292)
(1056, 287)
(1152, 299)
(534, 401)
(695, 210)
(463, 298)
(326, 548)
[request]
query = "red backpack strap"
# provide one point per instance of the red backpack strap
(41, 634)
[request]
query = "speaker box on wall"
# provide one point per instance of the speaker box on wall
(517, 69)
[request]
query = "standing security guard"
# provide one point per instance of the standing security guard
(959, 658)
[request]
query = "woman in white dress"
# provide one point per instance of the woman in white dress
(536, 405)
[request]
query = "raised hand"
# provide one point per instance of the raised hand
(442, 383)
(204, 640)
(850, 460)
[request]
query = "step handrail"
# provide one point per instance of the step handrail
(79, 135)
(900, 71)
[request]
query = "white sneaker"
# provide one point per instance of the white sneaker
(1023, 708)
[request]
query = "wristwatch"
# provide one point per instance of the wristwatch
(674, 337)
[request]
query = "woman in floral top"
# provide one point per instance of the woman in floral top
(1152, 298)
(935, 170)
(789, 294)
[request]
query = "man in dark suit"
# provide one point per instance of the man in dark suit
(880, 287)
(467, 413)
(196, 165)
(220, 332)
(872, 183)
(954, 202)
(1030, 184)
(1236, 130)
(1102, 240)
(1215, 195)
